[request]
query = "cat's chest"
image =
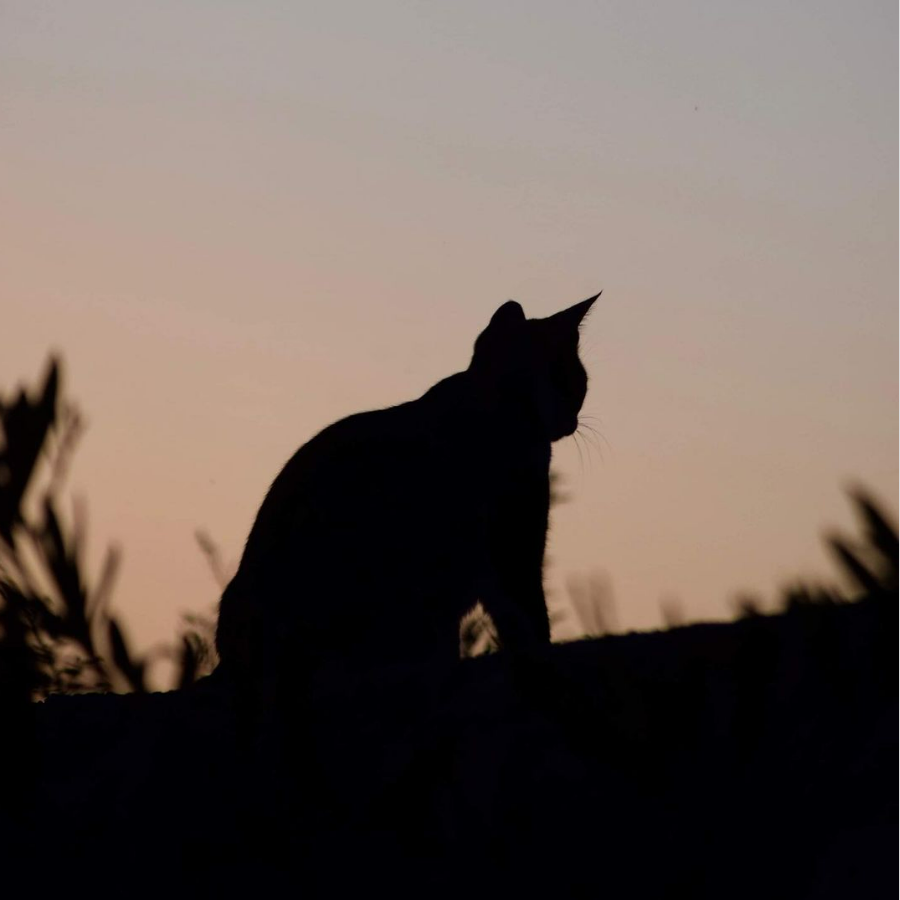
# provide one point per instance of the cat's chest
(501, 469)
(476, 483)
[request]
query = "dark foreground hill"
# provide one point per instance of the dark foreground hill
(724, 761)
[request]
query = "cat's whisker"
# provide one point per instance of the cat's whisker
(593, 435)
(589, 445)
(599, 448)
(590, 459)
(585, 422)
(587, 452)
(584, 417)
(580, 456)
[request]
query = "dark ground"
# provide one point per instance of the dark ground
(752, 759)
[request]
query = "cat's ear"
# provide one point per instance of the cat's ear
(574, 315)
(505, 324)
(498, 341)
(507, 315)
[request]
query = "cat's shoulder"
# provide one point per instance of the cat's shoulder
(372, 426)
(359, 434)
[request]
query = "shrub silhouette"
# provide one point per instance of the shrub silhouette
(54, 620)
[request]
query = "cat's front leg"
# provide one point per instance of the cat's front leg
(520, 616)
(516, 532)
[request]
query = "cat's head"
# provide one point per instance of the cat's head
(532, 366)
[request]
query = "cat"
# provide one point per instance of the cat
(384, 529)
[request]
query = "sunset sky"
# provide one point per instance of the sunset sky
(241, 221)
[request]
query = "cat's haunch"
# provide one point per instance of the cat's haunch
(382, 531)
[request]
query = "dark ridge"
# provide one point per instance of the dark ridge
(749, 759)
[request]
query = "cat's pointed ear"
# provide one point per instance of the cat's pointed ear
(574, 315)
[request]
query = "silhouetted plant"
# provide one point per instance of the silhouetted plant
(197, 648)
(477, 634)
(210, 549)
(747, 606)
(46, 602)
(54, 620)
(870, 564)
(593, 604)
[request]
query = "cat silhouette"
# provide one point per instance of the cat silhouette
(384, 529)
